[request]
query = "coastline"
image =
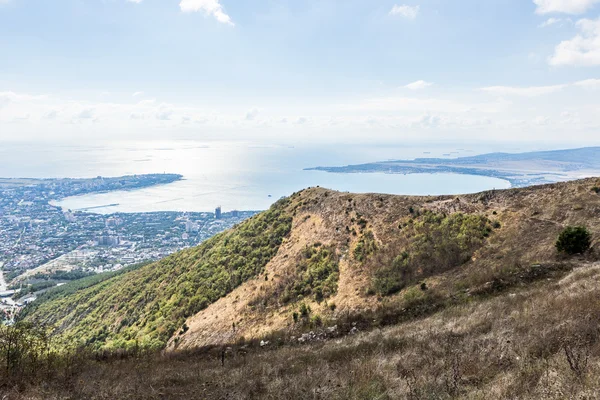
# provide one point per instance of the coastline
(519, 169)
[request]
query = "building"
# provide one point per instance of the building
(113, 222)
(108, 240)
(69, 216)
(235, 213)
(191, 226)
(218, 213)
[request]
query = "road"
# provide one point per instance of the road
(3, 285)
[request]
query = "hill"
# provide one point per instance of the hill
(321, 258)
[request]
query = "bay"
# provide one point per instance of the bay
(236, 176)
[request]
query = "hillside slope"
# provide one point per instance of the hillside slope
(324, 258)
(387, 248)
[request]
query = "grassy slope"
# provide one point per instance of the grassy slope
(513, 346)
(461, 247)
(144, 307)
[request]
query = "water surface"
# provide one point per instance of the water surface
(232, 175)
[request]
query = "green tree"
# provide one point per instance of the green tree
(574, 240)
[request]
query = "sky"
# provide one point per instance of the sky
(297, 71)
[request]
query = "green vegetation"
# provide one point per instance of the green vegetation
(317, 275)
(25, 353)
(77, 285)
(431, 243)
(143, 308)
(574, 240)
(65, 275)
(34, 287)
(365, 246)
(596, 189)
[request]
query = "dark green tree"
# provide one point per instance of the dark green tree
(574, 240)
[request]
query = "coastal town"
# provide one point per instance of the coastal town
(42, 245)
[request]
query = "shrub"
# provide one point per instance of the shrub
(596, 189)
(574, 240)
(430, 244)
(365, 246)
(316, 321)
(25, 351)
(317, 274)
(362, 223)
(304, 310)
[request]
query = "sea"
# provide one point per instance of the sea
(233, 175)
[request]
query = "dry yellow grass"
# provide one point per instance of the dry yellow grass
(512, 346)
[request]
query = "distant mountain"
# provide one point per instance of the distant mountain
(586, 156)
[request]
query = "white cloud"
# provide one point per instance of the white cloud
(583, 49)
(136, 94)
(409, 12)
(88, 113)
(430, 121)
(564, 6)
(18, 97)
(550, 22)
(463, 114)
(541, 121)
(52, 114)
(589, 84)
(418, 85)
(531, 91)
(413, 104)
(135, 1)
(208, 7)
(252, 114)
(164, 113)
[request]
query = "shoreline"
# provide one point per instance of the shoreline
(402, 187)
(519, 169)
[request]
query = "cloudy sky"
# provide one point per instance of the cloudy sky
(292, 71)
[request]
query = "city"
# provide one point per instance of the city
(42, 245)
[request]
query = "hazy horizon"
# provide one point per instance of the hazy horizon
(292, 72)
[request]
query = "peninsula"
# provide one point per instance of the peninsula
(520, 169)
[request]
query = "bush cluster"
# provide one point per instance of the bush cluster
(574, 240)
(317, 275)
(365, 246)
(432, 243)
